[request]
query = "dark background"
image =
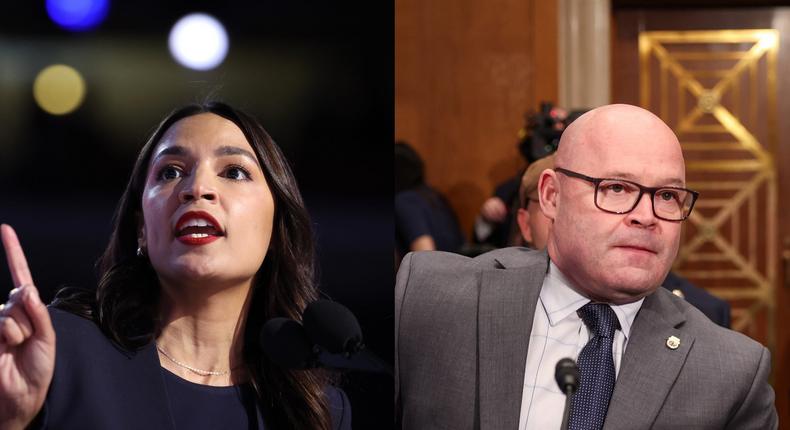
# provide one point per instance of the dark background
(318, 75)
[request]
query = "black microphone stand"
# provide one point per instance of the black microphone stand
(567, 410)
(567, 375)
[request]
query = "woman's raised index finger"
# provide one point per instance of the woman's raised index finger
(17, 264)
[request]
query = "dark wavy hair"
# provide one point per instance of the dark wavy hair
(125, 304)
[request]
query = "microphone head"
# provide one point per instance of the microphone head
(286, 343)
(332, 326)
(567, 375)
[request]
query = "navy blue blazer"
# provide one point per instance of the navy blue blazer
(98, 385)
(713, 307)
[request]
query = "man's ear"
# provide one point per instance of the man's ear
(522, 219)
(548, 193)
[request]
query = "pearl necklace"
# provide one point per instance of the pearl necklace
(190, 368)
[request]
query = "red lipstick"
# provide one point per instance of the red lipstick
(197, 228)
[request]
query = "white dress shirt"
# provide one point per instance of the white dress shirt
(558, 332)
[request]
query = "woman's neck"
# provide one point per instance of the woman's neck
(203, 330)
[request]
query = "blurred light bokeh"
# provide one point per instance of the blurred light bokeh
(198, 41)
(59, 89)
(78, 15)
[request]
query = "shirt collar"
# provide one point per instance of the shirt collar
(561, 301)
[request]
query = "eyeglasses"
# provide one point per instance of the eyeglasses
(619, 196)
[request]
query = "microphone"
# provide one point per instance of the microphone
(566, 373)
(333, 327)
(286, 343)
(329, 337)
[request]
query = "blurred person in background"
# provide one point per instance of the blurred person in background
(532, 224)
(424, 220)
(210, 240)
(495, 225)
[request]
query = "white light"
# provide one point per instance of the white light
(198, 41)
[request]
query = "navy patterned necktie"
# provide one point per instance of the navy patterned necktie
(596, 365)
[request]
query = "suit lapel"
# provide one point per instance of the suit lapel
(507, 304)
(649, 367)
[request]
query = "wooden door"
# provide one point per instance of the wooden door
(713, 78)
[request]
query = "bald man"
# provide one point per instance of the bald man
(534, 229)
(477, 340)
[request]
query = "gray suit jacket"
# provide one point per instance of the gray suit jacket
(461, 335)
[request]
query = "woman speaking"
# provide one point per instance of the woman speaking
(210, 240)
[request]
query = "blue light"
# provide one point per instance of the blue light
(78, 15)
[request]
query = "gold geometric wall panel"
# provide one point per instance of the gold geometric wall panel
(717, 90)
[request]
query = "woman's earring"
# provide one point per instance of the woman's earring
(140, 252)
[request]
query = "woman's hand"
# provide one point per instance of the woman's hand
(27, 343)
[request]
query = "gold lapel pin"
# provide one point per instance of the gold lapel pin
(678, 293)
(673, 342)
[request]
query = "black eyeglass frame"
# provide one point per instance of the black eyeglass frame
(642, 190)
